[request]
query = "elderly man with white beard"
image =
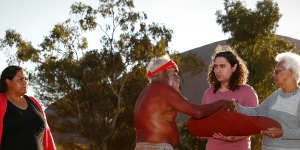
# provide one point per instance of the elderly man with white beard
(157, 106)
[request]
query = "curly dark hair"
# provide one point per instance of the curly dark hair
(237, 79)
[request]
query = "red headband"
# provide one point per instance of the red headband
(169, 65)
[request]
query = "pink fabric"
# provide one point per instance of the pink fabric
(48, 141)
(246, 96)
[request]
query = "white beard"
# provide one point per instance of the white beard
(174, 83)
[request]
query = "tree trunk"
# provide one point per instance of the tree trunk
(115, 118)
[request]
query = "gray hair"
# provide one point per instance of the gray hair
(291, 61)
(157, 62)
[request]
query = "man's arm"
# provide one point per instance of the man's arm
(179, 103)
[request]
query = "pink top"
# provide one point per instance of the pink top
(246, 96)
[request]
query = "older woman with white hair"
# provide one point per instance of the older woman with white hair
(283, 105)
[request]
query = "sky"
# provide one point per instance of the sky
(193, 21)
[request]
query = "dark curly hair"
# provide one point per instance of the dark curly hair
(237, 79)
(8, 73)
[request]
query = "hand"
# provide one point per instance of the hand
(228, 105)
(220, 136)
(235, 109)
(272, 132)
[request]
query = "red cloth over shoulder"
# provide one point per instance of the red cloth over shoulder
(48, 141)
(230, 124)
(3, 106)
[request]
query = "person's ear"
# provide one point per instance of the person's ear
(7, 82)
(291, 71)
(234, 67)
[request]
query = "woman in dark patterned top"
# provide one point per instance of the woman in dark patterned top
(22, 121)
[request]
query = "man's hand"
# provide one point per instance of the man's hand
(227, 105)
(272, 132)
(235, 109)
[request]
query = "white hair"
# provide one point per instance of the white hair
(291, 61)
(157, 62)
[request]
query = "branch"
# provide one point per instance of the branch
(115, 118)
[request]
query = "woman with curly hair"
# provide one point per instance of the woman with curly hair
(227, 76)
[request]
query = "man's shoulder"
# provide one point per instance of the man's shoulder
(157, 90)
(161, 91)
(160, 86)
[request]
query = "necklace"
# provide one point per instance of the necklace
(19, 102)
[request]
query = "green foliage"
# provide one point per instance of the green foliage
(94, 104)
(25, 49)
(95, 90)
(246, 24)
(256, 141)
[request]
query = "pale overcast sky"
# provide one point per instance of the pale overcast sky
(193, 21)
